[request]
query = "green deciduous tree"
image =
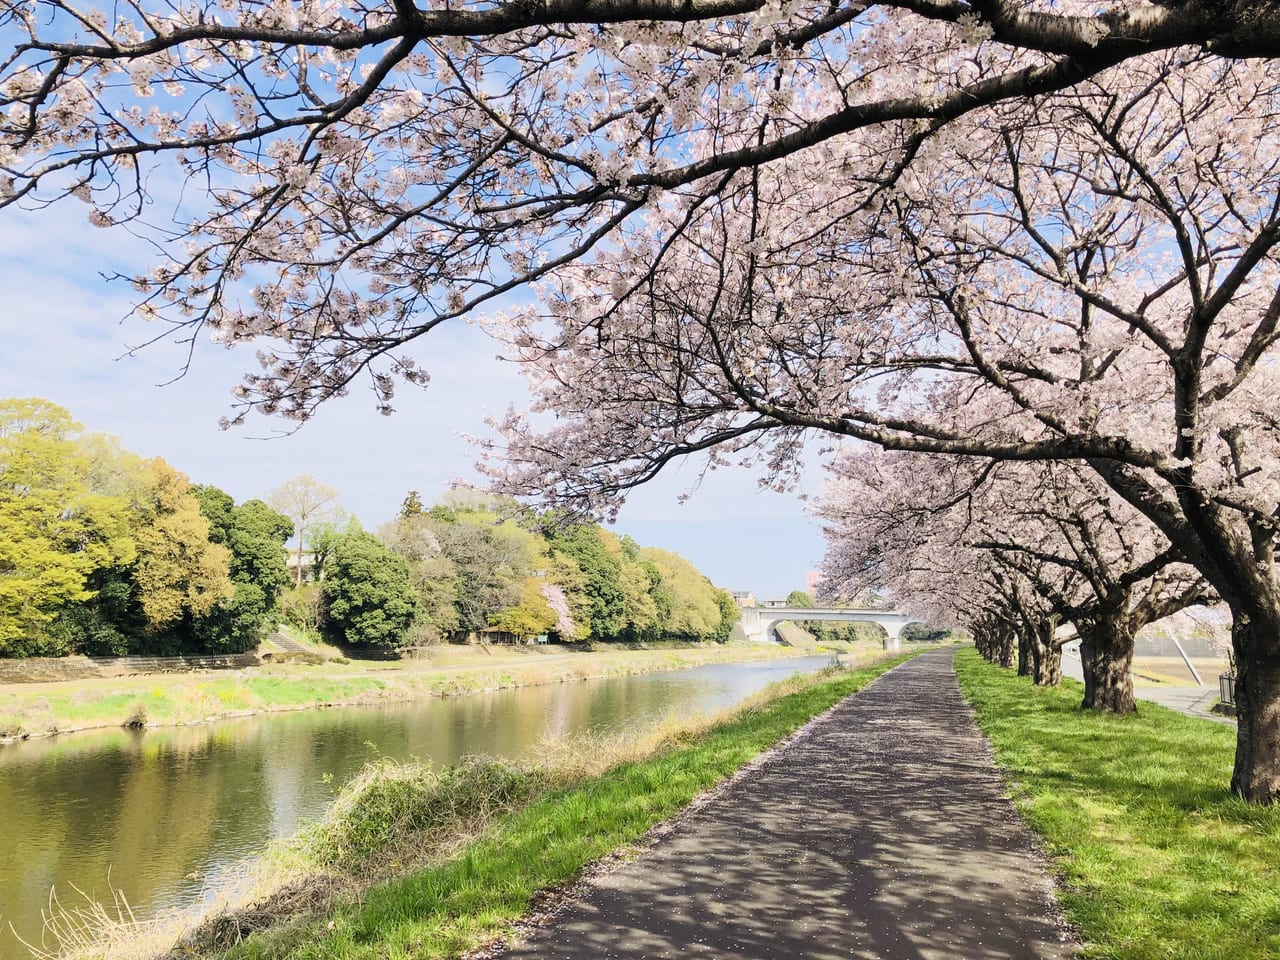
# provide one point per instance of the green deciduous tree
(256, 536)
(178, 570)
(491, 554)
(325, 532)
(55, 530)
(176, 576)
(433, 575)
(728, 616)
(637, 580)
(696, 608)
(478, 560)
(601, 595)
(531, 616)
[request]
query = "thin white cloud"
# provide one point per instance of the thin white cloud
(62, 338)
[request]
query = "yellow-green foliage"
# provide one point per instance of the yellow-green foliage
(55, 529)
(694, 609)
(638, 606)
(177, 569)
(530, 617)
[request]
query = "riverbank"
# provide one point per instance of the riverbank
(1157, 860)
(46, 709)
(460, 854)
(394, 821)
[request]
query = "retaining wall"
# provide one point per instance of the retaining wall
(45, 669)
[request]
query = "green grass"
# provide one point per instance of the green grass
(171, 699)
(477, 894)
(1158, 861)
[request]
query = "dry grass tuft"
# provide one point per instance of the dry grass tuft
(90, 928)
(303, 898)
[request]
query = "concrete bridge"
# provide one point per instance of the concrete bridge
(758, 622)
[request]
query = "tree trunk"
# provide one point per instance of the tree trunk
(1006, 650)
(1256, 639)
(1049, 666)
(1106, 655)
(1025, 653)
(985, 643)
(297, 570)
(1046, 657)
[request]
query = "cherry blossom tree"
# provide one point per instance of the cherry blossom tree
(753, 219)
(359, 171)
(895, 550)
(1087, 276)
(1053, 542)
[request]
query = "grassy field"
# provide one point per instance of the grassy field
(1157, 860)
(539, 830)
(41, 709)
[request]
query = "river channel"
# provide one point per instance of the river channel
(166, 816)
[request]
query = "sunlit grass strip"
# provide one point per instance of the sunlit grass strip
(1156, 857)
(475, 896)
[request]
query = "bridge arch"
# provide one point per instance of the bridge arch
(758, 622)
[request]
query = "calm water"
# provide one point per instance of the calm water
(165, 816)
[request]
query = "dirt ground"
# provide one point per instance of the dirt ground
(1172, 670)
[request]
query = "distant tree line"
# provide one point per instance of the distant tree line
(103, 552)
(476, 567)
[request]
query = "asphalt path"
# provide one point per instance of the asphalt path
(881, 832)
(1193, 700)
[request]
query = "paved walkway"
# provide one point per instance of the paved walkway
(881, 833)
(1190, 699)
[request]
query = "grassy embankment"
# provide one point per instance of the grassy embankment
(41, 709)
(433, 863)
(1155, 857)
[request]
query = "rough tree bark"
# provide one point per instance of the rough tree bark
(1006, 654)
(1255, 636)
(1025, 655)
(1106, 655)
(1046, 656)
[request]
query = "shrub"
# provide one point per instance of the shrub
(389, 802)
(137, 718)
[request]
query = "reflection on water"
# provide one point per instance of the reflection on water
(161, 816)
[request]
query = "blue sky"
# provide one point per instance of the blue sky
(64, 331)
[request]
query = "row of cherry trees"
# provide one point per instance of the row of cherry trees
(1087, 279)
(1013, 550)
(1002, 230)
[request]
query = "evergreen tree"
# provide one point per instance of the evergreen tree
(367, 596)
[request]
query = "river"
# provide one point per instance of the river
(165, 816)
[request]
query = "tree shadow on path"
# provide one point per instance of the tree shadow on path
(882, 833)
